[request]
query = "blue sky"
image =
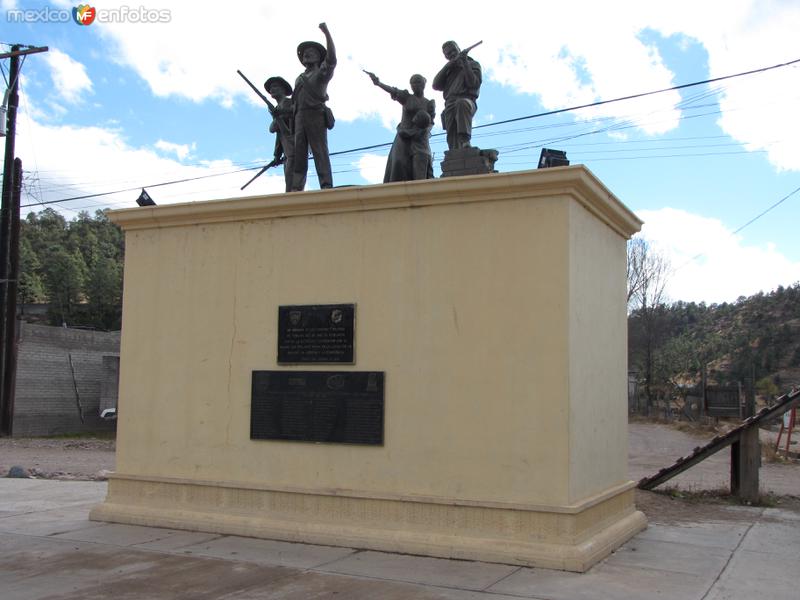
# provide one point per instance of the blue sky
(125, 105)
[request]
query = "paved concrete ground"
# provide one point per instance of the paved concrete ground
(50, 551)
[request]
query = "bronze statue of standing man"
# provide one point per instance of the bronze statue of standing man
(460, 82)
(312, 117)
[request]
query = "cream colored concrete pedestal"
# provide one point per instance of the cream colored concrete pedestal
(495, 305)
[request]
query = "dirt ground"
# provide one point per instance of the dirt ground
(653, 445)
(701, 493)
(58, 458)
(698, 494)
(676, 507)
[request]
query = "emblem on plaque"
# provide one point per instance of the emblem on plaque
(261, 383)
(372, 382)
(294, 317)
(336, 316)
(336, 382)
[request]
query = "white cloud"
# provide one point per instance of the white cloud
(530, 53)
(106, 162)
(180, 150)
(594, 50)
(569, 61)
(709, 262)
(69, 76)
(372, 167)
(741, 36)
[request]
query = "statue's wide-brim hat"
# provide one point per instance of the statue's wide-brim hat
(281, 82)
(316, 45)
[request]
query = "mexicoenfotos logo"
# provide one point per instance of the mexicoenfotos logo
(83, 14)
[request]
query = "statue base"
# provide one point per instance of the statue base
(468, 161)
(494, 307)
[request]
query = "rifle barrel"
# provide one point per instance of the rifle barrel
(257, 91)
(475, 45)
(256, 176)
(272, 163)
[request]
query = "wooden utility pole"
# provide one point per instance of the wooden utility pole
(7, 208)
(746, 452)
(11, 330)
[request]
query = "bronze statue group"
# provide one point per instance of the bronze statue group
(301, 118)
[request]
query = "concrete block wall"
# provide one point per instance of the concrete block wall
(45, 401)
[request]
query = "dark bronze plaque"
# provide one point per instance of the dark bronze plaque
(344, 407)
(316, 333)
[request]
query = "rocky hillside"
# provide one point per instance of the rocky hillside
(757, 335)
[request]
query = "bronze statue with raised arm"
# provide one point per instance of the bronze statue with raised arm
(312, 117)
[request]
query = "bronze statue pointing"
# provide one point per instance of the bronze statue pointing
(312, 118)
(460, 82)
(410, 156)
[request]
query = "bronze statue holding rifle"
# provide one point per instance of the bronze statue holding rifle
(460, 82)
(410, 156)
(282, 125)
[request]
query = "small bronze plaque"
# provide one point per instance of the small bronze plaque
(322, 333)
(344, 407)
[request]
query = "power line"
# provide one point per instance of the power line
(615, 126)
(758, 216)
(138, 187)
(750, 222)
(641, 95)
(679, 155)
(526, 145)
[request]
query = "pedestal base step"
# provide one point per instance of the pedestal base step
(468, 161)
(571, 538)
